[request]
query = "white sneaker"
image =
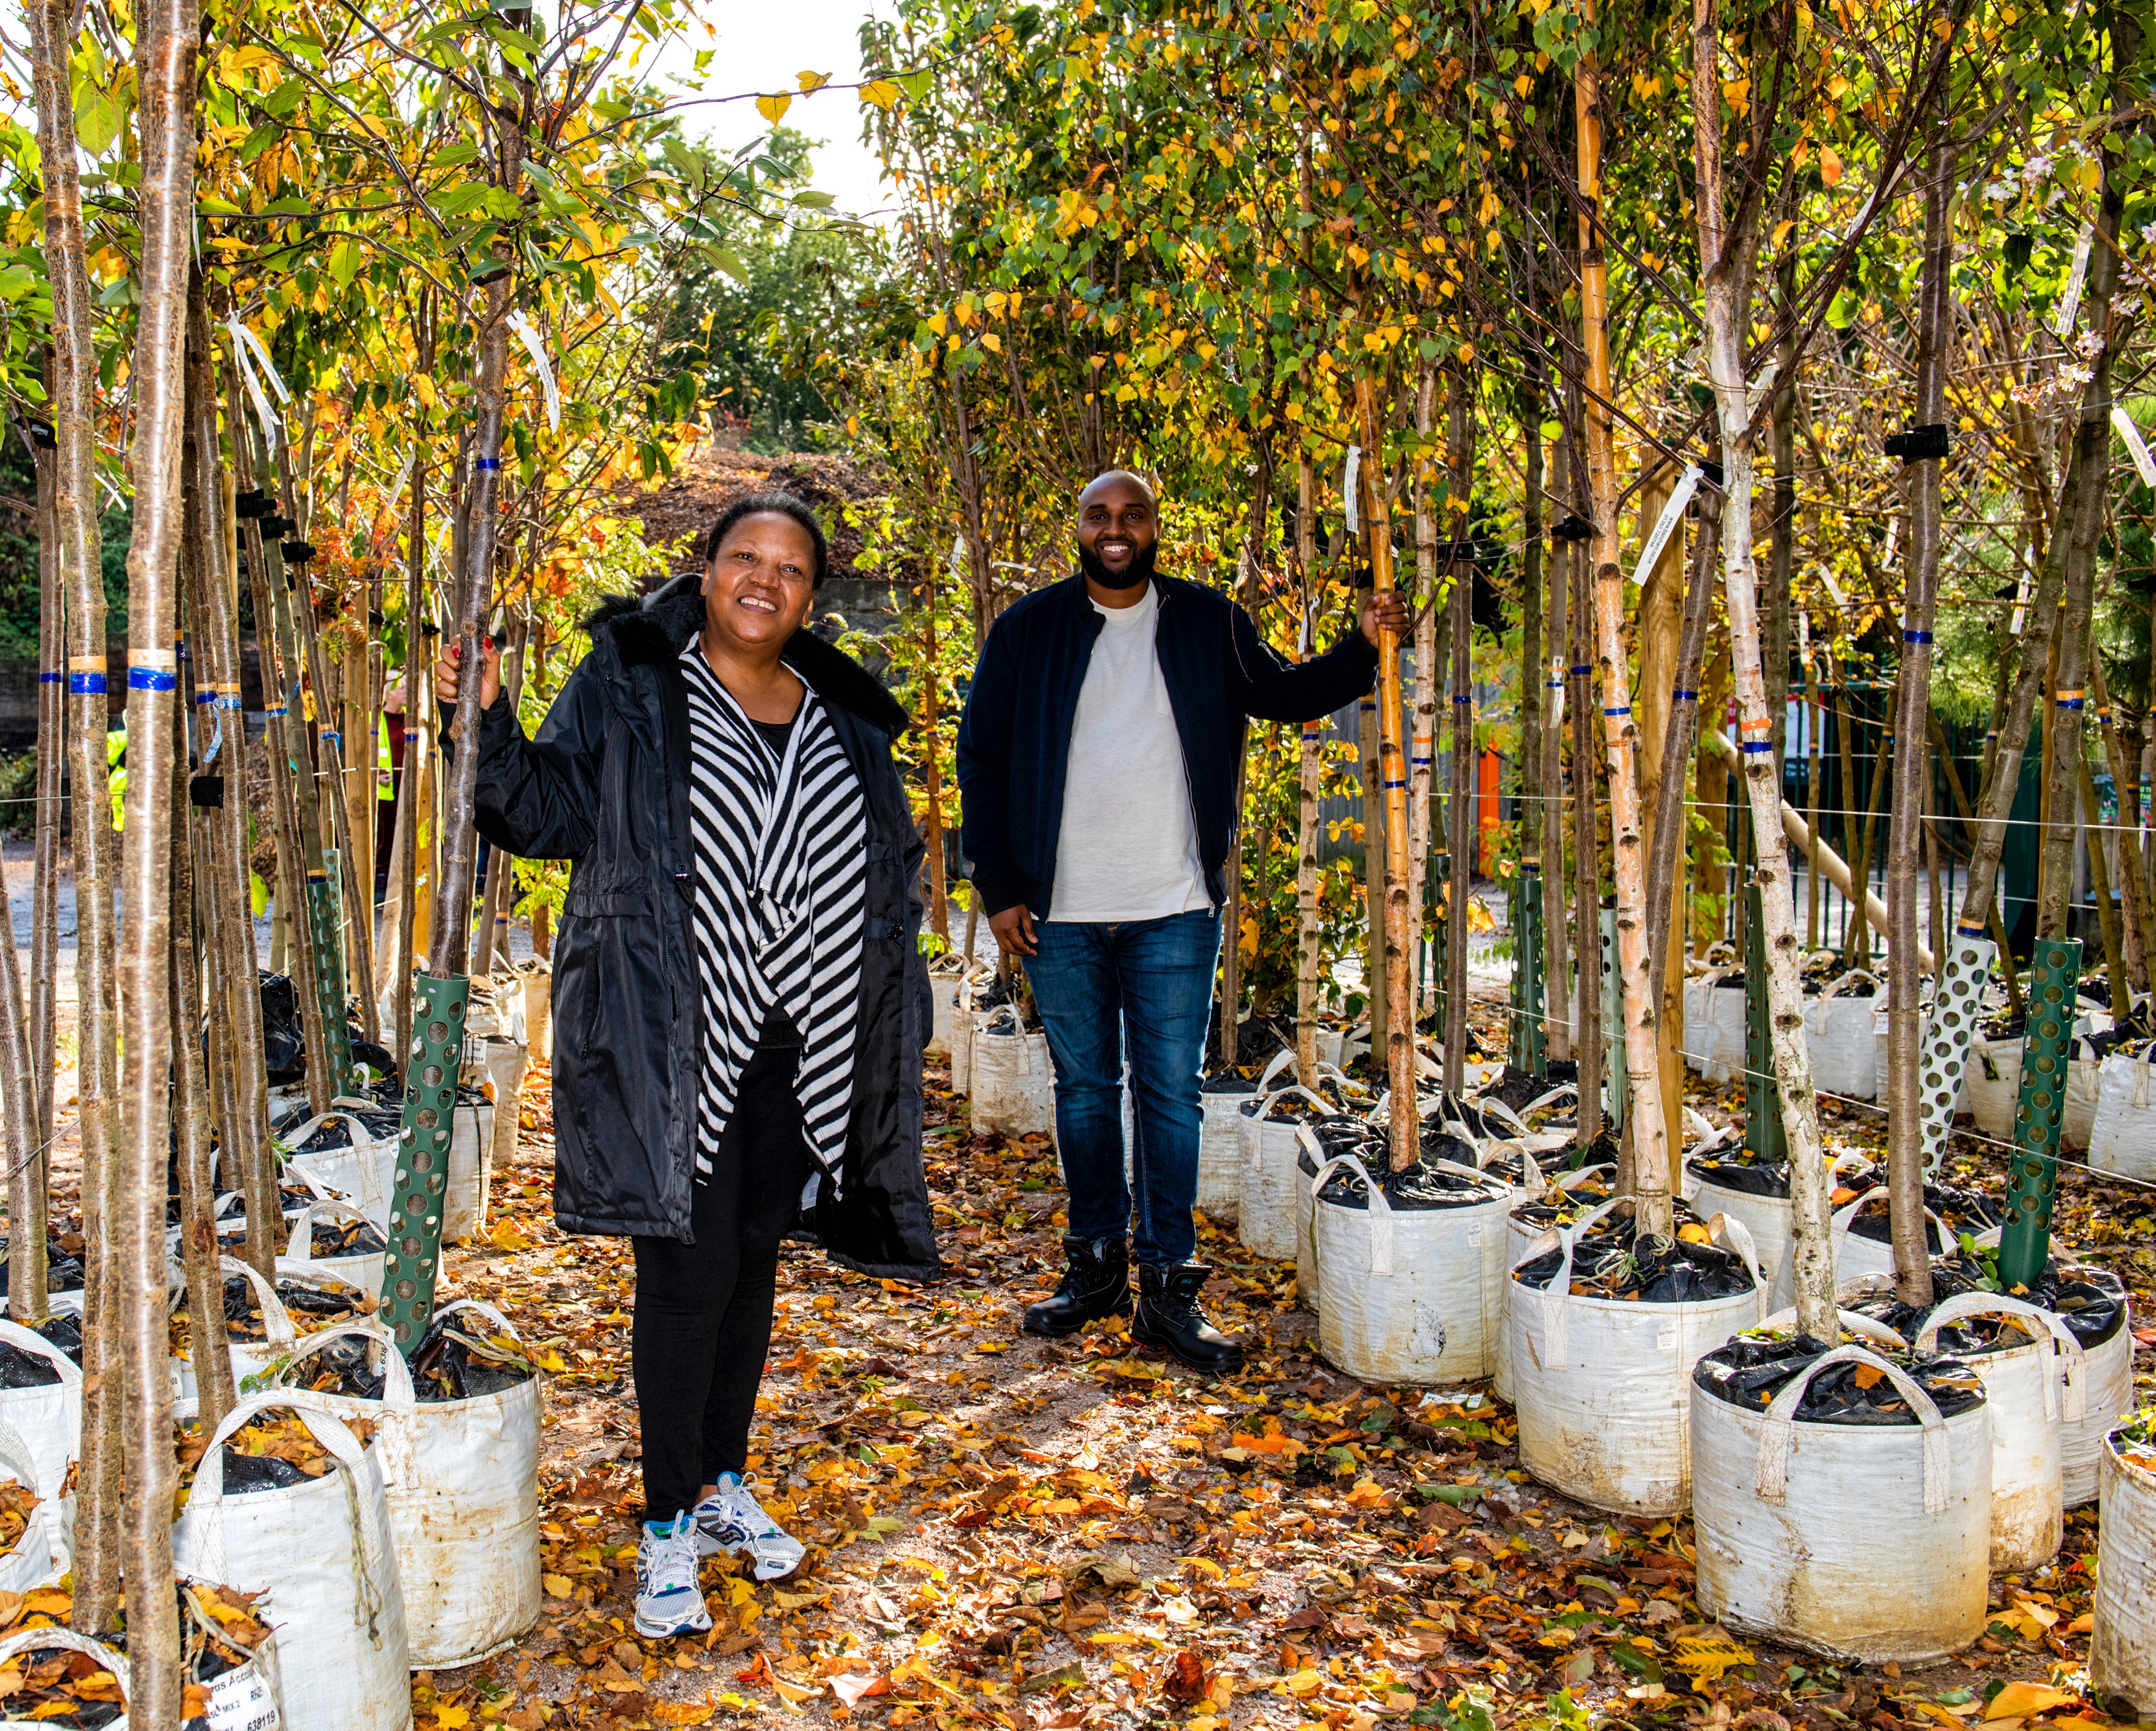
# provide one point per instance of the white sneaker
(731, 1519)
(668, 1600)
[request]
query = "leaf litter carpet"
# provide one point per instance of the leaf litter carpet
(1012, 1532)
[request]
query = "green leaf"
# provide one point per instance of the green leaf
(815, 201)
(97, 122)
(347, 259)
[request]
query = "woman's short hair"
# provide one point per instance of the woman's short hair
(784, 505)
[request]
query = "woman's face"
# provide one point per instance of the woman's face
(762, 581)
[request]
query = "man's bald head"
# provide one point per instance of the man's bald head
(1118, 530)
(1113, 480)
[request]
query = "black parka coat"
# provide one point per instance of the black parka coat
(605, 785)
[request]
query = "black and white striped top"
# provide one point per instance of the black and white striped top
(781, 843)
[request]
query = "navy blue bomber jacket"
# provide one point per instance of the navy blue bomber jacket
(1015, 741)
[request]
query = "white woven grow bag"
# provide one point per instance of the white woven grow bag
(1600, 1385)
(1866, 1542)
(1766, 1218)
(508, 1062)
(1409, 1294)
(1014, 1081)
(320, 1555)
(1265, 1216)
(48, 1418)
(1713, 1042)
(1519, 1234)
(2122, 1649)
(2107, 1370)
(2084, 1086)
(364, 1271)
(945, 974)
(1838, 1037)
(2029, 1391)
(964, 1024)
(462, 1480)
(2123, 1138)
(361, 1171)
(46, 1550)
(1991, 1083)
(1855, 1256)
(44, 1638)
(1219, 1155)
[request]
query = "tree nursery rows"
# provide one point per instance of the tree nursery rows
(1678, 1146)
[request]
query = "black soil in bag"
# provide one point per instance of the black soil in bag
(330, 1137)
(283, 1046)
(20, 1370)
(1295, 1109)
(1560, 1207)
(63, 1272)
(1962, 1210)
(2091, 1302)
(1258, 1040)
(344, 1238)
(450, 1365)
(1229, 1081)
(1516, 1087)
(66, 1333)
(1419, 1188)
(1613, 1261)
(1751, 1373)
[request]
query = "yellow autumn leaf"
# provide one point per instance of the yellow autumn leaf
(422, 387)
(881, 91)
(773, 107)
(790, 1693)
(812, 80)
(1829, 166)
(452, 1719)
(2023, 1700)
(557, 1586)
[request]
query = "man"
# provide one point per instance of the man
(1098, 759)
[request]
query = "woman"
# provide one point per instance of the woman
(739, 1003)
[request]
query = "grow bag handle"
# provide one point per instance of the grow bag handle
(1556, 1329)
(2072, 1367)
(397, 1394)
(288, 1143)
(276, 1321)
(1267, 1101)
(1381, 1212)
(1871, 1328)
(1778, 1435)
(1834, 990)
(204, 1514)
(1849, 1212)
(25, 1641)
(1721, 1226)
(300, 1247)
(1562, 1092)
(22, 1465)
(1284, 1059)
(1531, 1174)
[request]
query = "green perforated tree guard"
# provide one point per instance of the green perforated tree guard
(423, 1156)
(325, 927)
(1528, 1051)
(1764, 1134)
(2046, 1050)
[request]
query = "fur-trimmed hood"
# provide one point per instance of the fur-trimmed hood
(655, 628)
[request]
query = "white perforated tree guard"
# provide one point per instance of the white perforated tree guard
(1955, 1009)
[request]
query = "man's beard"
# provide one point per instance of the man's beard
(1137, 572)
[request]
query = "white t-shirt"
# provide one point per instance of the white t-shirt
(1127, 849)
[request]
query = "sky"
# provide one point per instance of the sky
(764, 45)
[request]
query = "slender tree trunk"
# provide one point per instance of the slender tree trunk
(20, 1142)
(1460, 433)
(1532, 779)
(452, 934)
(168, 38)
(207, 1345)
(1664, 618)
(1231, 947)
(1726, 270)
(1376, 975)
(2107, 920)
(1587, 891)
(411, 805)
(1651, 1164)
(939, 894)
(1422, 735)
(244, 1122)
(1399, 986)
(2133, 909)
(1782, 526)
(1665, 854)
(72, 387)
(1557, 953)
(1912, 705)
(1853, 941)
(1305, 828)
(52, 767)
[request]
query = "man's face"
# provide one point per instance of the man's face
(1118, 531)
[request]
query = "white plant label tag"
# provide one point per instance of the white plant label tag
(2137, 447)
(1348, 488)
(241, 1701)
(2070, 302)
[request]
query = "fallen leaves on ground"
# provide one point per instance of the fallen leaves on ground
(1037, 1535)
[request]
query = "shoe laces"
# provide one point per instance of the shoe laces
(737, 1502)
(667, 1558)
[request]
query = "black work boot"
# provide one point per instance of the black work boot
(1169, 1320)
(1096, 1283)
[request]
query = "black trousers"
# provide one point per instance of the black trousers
(703, 1310)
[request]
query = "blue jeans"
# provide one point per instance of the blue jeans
(1090, 982)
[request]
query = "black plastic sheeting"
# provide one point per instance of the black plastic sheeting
(1613, 1261)
(63, 1272)
(2091, 1302)
(1420, 1187)
(1516, 1087)
(444, 1367)
(1750, 1373)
